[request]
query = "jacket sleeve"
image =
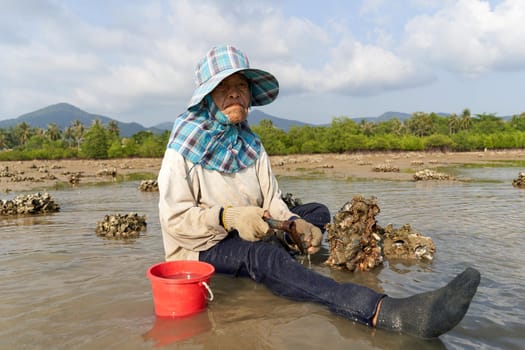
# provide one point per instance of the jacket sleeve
(185, 224)
(272, 200)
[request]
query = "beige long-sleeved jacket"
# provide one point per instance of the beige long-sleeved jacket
(190, 198)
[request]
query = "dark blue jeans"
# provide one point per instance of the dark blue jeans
(270, 264)
(315, 213)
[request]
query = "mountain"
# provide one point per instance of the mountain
(391, 115)
(254, 118)
(257, 116)
(383, 117)
(164, 126)
(63, 115)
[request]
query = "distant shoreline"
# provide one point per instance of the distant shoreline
(48, 174)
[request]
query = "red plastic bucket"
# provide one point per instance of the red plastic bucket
(180, 288)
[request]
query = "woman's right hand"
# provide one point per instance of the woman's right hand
(248, 221)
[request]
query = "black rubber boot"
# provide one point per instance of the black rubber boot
(430, 314)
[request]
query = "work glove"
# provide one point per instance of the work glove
(248, 221)
(311, 234)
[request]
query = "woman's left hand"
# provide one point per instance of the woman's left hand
(312, 235)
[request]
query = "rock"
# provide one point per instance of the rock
(119, 226)
(149, 186)
(358, 243)
(427, 174)
(37, 203)
(4, 172)
(352, 237)
(519, 182)
(108, 172)
(386, 168)
(405, 243)
(74, 179)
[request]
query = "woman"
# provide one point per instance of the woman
(217, 189)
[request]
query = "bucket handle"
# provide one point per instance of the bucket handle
(210, 293)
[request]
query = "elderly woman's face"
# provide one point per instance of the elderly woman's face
(232, 96)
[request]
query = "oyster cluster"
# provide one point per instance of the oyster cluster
(149, 186)
(18, 176)
(353, 239)
(386, 168)
(427, 174)
(405, 243)
(362, 162)
(4, 172)
(74, 179)
(119, 226)
(37, 203)
(358, 243)
(519, 182)
(107, 172)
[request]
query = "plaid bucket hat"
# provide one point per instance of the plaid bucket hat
(221, 62)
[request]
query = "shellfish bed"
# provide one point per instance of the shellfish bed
(358, 243)
(428, 174)
(386, 168)
(119, 226)
(149, 186)
(36, 203)
(519, 182)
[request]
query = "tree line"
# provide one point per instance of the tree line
(23, 142)
(420, 132)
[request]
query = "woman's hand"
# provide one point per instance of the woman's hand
(248, 221)
(312, 235)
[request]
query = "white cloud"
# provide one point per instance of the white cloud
(470, 37)
(366, 69)
(371, 7)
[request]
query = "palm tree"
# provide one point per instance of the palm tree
(453, 124)
(38, 131)
(3, 139)
(113, 128)
(398, 127)
(68, 136)
(97, 124)
(465, 121)
(23, 132)
(367, 128)
(420, 124)
(53, 132)
(77, 132)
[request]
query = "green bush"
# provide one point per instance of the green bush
(438, 142)
(96, 142)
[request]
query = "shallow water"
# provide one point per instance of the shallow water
(65, 288)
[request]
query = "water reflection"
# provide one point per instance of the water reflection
(166, 331)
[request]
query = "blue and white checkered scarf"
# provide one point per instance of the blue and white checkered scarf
(205, 136)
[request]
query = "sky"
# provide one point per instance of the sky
(134, 60)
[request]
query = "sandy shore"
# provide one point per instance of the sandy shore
(39, 175)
